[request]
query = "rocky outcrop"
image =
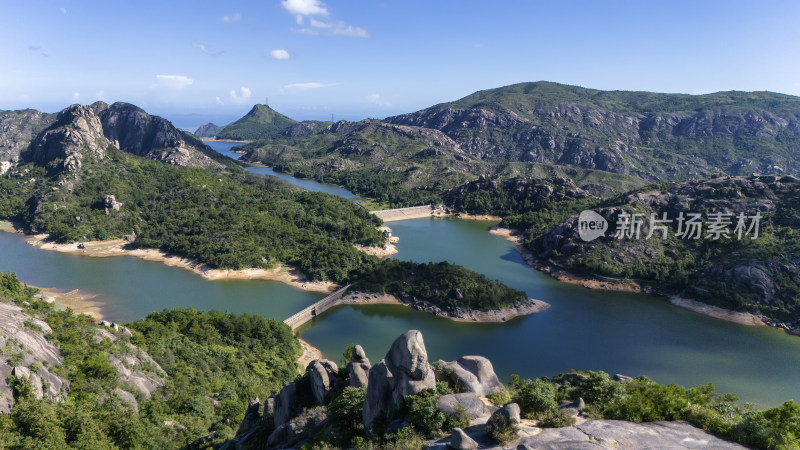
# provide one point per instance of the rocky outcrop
(404, 371)
(285, 404)
(88, 131)
(76, 134)
(531, 306)
(358, 368)
(110, 203)
(461, 441)
(323, 376)
(617, 434)
(17, 129)
(134, 131)
(556, 124)
(292, 432)
(475, 407)
(22, 340)
(135, 368)
(474, 374)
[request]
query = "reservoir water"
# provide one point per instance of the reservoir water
(631, 334)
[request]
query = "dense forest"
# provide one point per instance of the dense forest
(213, 365)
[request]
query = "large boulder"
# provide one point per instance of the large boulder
(358, 368)
(284, 404)
(378, 401)
(298, 429)
(460, 441)
(405, 371)
(474, 374)
(323, 375)
(251, 416)
(448, 404)
(407, 359)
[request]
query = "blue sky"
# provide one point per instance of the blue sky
(195, 61)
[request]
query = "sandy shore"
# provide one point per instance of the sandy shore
(310, 353)
(516, 237)
(742, 318)
(78, 301)
(211, 139)
(474, 217)
(100, 249)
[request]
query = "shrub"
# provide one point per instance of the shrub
(500, 398)
(535, 397)
(460, 419)
(423, 412)
(557, 418)
(500, 429)
(345, 414)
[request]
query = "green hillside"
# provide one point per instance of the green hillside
(262, 122)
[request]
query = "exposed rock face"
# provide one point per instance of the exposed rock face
(358, 368)
(378, 402)
(17, 129)
(617, 434)
(134, 131)
(460, 441)
(135, 368)
(324, 375)
(405, 371)
(251, 416)
(77, 133)
(208, 130)
(474, 374)
(87, 131)
(110, 203)
(557, 124)
(448, 404)
(23, 334)
(285, 404)
(299, 427)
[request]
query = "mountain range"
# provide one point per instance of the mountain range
(514, 130)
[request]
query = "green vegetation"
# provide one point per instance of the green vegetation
(230, 219)
(442, 284)
(262, 122)
(213, 363)
(724, 272)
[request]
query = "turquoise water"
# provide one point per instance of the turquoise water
(632, 334)
(309, 185)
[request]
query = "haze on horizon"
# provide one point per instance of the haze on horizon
(193, 63)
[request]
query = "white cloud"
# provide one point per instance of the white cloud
(219, 100)
(174, 81)
(319, 24)
(232, 18)
(302, 8)
(63, 11)
(300, 87)
(334, 28)
(243, 96)
(76, 96)
(101, 96)
(375, 99)
(305, 7)
(205, 49)
(279, 53)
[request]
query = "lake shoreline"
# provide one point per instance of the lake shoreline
(117, 247)
(514, 236)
